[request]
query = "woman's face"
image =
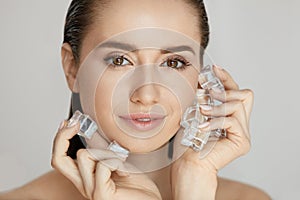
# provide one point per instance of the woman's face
(118, 17)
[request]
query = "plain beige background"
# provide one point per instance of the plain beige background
(257, 41)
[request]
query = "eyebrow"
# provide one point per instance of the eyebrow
(118, 45)
(179, 49)
(130, 47)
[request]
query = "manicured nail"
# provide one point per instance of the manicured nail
(218, 67)
(203, 125)
(61, 125)
(124, 174)
(205, 107)
(217, 90)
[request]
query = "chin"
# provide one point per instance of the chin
(146, 145)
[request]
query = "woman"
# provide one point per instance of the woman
(91, 22)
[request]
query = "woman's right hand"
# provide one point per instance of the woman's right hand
(93, 178)
(193, 177)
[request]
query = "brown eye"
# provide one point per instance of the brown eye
(175, 63)
(172, 63)
(118, 60)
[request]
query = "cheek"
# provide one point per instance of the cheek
(103, 93)
(103, 99)
(174, 110)
(192, 78)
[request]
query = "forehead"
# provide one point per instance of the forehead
(155, 38)
(125, 15)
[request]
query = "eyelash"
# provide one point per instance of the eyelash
(184, 62)
(114, 56)
(180, 59)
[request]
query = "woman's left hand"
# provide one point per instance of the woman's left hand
(194, 178)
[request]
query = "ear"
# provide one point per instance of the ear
(69, 66)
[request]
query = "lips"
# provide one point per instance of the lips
(143, 121)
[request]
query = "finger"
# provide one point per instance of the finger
(111, 159)
(246, 96)
(226, 78)
(234, 145)
(61, 141)
(63, 163)
(230, 124)
(117, 165)
(86, 165)
(232, 108)
(87, 159)
(105, 187)
(103, 154)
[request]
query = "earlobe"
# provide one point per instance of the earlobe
(69, 66)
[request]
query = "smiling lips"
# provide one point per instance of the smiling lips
(143, 121)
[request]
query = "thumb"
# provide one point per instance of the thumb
(105, 187)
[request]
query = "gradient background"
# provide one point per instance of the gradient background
(256, 41)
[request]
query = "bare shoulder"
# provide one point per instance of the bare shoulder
(233, 190)
(52, 185)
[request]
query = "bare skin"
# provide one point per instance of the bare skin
(76, 181)
(54, 185)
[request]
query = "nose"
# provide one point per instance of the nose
(146, 95)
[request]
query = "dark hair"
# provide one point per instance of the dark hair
(82, 14)
(200, 9)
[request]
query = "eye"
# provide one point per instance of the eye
(117, 61)
(175, 62)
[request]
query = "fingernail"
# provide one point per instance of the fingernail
(205, 107)
(217, 90)
(218, 67)
(203, 125)
(122, 173)
(61, 125)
